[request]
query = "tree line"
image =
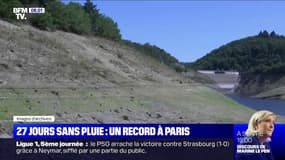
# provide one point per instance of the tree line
(157, 53)
(263, 53)
(70, 17)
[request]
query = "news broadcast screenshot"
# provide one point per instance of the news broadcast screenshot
(142, 80)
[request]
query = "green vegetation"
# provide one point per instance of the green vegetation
(156, 53)
(101, 25)
(264, 53)
(70, 17)
(6, 8)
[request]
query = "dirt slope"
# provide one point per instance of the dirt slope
(33, 58)
(93, 80)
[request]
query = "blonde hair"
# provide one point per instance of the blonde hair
(255, 119)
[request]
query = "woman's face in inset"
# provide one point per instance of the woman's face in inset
(266, 126)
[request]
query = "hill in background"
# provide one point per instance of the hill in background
(260, 60)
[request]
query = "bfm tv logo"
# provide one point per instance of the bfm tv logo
(21, 12)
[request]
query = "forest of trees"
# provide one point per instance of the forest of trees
(71, 17)
(263, 53)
